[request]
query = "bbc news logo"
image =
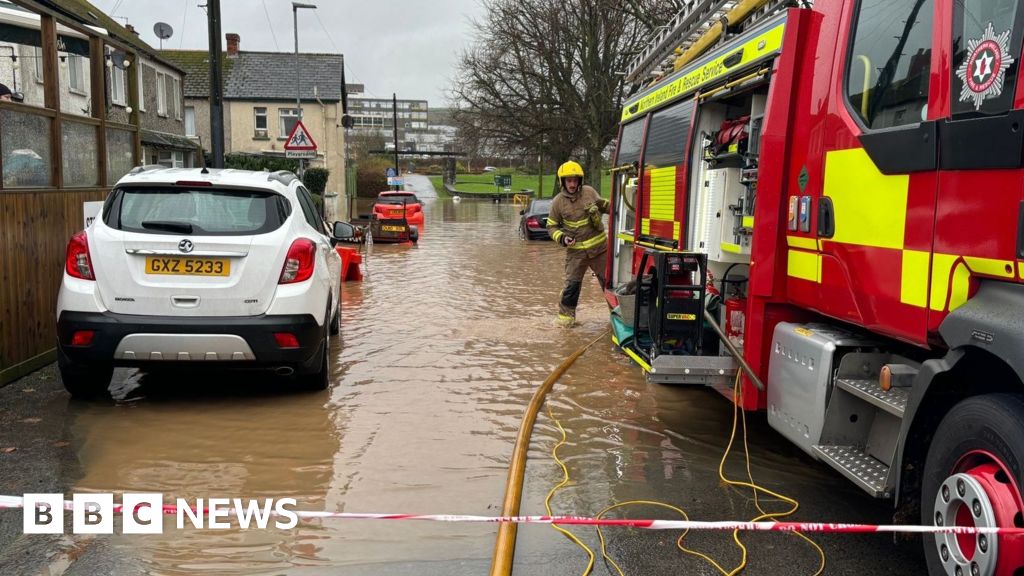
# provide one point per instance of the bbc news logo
(142, 513)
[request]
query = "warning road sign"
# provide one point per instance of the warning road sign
(300, 139)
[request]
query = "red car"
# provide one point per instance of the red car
(391, 205)
(397, 217)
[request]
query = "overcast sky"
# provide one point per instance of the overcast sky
(404, 46)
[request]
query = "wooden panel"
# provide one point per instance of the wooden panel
(34, 230)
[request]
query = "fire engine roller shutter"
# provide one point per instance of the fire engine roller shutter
(632, 138)
(664, 160)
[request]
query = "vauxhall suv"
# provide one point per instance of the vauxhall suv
(189, 267)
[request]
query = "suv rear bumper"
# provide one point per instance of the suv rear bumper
(243, 342)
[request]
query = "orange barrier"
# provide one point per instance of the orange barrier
(350, 261)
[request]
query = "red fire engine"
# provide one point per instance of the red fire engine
(839, 190)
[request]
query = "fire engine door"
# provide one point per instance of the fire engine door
(981, 141)
(874, 219)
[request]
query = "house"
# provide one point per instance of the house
(260, 110)
(88, 116)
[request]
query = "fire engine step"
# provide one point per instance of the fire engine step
(893, 401)
(702, 370)
(862, 469)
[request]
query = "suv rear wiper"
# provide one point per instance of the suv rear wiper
(169, 226)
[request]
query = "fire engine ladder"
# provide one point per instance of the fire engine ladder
(694, 29)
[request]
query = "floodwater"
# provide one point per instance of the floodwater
(442, 346)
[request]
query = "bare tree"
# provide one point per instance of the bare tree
(544, 76)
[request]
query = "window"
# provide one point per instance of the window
(76, 73)
(309, 209)
(289, 117)
(260, 122)
(171, 158)
(209, 212)
(190, 121)
(176, 95)
(117, 86)
(889, 63)
(983, 80)
(161, 94)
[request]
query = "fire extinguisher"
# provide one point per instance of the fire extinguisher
(734, 320)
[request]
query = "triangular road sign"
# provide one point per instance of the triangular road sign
(300, 139)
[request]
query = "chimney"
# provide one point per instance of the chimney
(233, 41)
(131, 29)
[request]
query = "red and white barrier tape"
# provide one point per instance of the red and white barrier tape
(16, 502)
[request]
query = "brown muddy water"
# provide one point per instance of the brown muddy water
(441, 349)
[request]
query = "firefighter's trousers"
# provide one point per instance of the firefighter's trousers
(576, 264)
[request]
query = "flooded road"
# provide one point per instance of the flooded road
(441, 349)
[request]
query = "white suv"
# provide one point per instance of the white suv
(200, 267)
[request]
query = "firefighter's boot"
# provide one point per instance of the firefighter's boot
(567, 300)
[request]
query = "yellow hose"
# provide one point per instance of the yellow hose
(505, 545)
(712, 35)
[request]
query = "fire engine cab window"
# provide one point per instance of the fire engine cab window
(986, 44)
(889, 63)
(666, 138)
(632, 138)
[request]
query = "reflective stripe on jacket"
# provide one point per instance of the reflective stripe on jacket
(568, 216)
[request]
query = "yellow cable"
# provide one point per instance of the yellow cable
(739, 414)
(739, 417)
(565, 480)
(505, 542)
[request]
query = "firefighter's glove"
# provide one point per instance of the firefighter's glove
(592, 209)
(567, 240)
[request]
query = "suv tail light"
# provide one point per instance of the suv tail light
(299, 263)
(78, 263)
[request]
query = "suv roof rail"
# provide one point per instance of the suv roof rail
(145, 168)
(283, 176)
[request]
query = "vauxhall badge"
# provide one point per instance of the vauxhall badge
(984, 69)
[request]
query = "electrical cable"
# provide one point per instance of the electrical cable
(270, 25)
(184, 16)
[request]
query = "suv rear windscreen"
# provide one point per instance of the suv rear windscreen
(196, 211)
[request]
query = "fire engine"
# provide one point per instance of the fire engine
(825, 207)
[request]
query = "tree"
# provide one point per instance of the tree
(542, 75)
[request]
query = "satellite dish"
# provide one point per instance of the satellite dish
(120, 59)
(163, 30)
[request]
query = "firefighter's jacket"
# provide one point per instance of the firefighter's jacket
(569, 216)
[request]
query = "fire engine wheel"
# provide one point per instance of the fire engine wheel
(973, 477)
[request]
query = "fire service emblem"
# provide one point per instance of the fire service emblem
(984, 69)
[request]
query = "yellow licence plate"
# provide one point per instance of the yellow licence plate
(188, 266)
(393, 228)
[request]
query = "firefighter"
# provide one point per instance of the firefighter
(574, 221)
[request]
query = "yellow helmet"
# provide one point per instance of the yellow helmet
(570, 168)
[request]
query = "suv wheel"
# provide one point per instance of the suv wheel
(83, 381)
(320, 379)
(336, 321)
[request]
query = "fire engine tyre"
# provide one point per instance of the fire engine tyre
(84, 382)
(973, 477)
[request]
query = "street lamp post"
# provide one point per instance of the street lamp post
(298, 71)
